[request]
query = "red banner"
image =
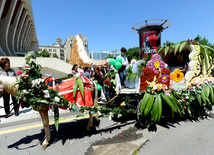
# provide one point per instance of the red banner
(148, 42)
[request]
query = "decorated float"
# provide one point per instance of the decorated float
(152, 92)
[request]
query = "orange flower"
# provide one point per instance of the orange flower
(177, 75)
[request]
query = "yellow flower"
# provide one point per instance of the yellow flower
(122, 104)
(157, 64)
(164, 77)
(159, 86)
(177, 75)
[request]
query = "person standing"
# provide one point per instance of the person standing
(75, 70)
(122, 69)
(86, 72)
(7, 71)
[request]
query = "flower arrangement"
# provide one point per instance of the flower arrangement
(32, 90)
(156, 64)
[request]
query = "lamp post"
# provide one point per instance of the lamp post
(150, 35)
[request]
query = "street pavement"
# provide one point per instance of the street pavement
(23, 134)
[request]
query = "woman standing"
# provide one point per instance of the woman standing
(75, 70)
(7, 71)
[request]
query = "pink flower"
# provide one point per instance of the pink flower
(19, 72)
(156, 64)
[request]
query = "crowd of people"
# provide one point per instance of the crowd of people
(95, 72)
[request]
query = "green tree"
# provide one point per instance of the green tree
(44, 53)
(203, 41)
(109, 56)
(133, 53)
(55, 56)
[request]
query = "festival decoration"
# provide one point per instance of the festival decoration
(32, 90)
(156, 64)
(112, 61)
(117, 65)
(119, 59)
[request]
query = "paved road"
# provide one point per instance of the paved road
(183, 138)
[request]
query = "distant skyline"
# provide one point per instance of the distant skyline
(107, 23)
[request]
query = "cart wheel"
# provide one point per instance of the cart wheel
(144, 121)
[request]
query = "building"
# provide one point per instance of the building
(17, 29)
(103, 54)
(57, 48)
(69, 44)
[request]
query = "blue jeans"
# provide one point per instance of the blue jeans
(122, 74)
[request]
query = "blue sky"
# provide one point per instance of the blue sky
(107, 23)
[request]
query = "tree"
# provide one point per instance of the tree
(203, 41)
(44, 53)
(133, 53)
(55, 56)
(109, 56)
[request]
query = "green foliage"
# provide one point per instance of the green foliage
(109, 56)
(78, 83)
(33, 92)
(55, 56)
(44, 53)
(133, 53)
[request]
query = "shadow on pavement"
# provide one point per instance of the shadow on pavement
(71, 130)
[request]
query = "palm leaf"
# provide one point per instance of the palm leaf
(203, 96)
(159, 106)
(56, 117)
(154, 110)
(81, 87)
(175, 103)
(168, 101)
(208, 47)
(75, 87)
(160, 49)
(199, 99)
(211, 93)
(176, 47)
(149, 105)
(182, 46)
(144, 102)
(207, 91)
(166, 50)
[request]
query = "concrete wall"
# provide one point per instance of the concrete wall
(52, 66)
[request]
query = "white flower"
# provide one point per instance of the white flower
(1, 88)
(46, 94)
(25, 91)
(56, 99)
(32, 60)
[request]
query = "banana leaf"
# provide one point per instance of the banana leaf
(175, 103)
(207, 91)
(182, 46)
(176, 48)
(75, 87)
(211, 93)
(168, 101)
(203, 96)
(199, 99)
(160, 49)
(159, 106)
(149, 105)
(81, 87)
(154, 116)
(56, 117)
(144, 102)
(166, 50)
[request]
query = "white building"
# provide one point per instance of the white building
(57, 48)
(17, 29)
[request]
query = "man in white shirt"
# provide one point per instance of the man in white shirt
(122, 69)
